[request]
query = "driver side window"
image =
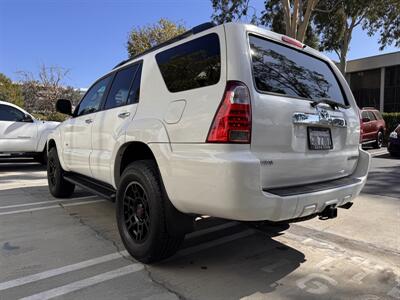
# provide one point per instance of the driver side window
(92, 100)
(8, 113)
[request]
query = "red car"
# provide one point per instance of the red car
(373, 127)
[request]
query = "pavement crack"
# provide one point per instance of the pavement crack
(101, 235)
(162, 284)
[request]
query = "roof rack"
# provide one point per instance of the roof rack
(194, 30)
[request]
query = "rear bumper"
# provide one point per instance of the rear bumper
(227, 185)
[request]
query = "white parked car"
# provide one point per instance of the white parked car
(21, 134)
(231, 121)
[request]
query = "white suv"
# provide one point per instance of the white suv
(231, 121)
(21, 134)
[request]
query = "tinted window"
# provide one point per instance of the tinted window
(92, 100)
(134, 92)
(119, 91)
(191, 65)
(8, 113)
(282, 70)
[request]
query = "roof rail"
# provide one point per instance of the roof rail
(194, 30)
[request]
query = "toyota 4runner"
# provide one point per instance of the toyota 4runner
(231, 121)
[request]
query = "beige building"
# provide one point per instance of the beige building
(375, 81)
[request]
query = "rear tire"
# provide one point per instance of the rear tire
(142, 216)
(379, 140)
(58, 186)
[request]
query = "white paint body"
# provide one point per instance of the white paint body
(221, 180)
(24, 137)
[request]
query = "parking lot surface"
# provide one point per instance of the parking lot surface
(70, 249)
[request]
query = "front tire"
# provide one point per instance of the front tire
(379, 140)
(142, 217)
(58, 186)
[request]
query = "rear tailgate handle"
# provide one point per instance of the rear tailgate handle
(88, 121)
(318, 119)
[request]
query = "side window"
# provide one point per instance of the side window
(92, 100)
(364, 115)
(119, 91)
(191, 65)
(378, 115)
(134, 92)
(371, 116)
(8, 113)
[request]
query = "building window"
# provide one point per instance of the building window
(365, 86)
(392, 89)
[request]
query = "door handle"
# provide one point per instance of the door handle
(124, 115)
(88, 121)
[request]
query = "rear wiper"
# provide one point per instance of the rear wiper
(328, 101)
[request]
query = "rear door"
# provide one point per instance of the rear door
(109, 124)
(17, 133)
(298, 143)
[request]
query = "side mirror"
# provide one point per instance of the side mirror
(27, 119)
(365, 120)
(64, 106)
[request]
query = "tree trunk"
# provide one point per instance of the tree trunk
(301, 34)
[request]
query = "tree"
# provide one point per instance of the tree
(336, 27)
(42, 91)
(10, 91)
(290, 17)
(232, 10)
(142, 38)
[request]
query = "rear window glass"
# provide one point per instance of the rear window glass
(191, 65)
(283, 70)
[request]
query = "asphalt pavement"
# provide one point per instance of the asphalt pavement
(71, 249)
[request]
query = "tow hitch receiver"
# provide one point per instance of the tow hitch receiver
(330, 212)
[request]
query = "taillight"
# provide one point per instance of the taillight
(232, 122)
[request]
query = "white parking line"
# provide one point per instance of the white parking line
(78, 285)
(49, 207)
(58, 271)
(44, 202)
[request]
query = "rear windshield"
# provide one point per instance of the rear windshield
(283, 70)
(191, 65)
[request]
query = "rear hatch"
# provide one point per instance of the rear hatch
(298, 140)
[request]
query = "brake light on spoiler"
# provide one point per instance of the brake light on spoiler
(293, 42)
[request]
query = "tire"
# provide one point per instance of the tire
(142, 216)
(58, 186)
(379, 140)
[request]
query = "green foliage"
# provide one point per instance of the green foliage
(232, 10)
(55, 116)
(142, 38)
(392, 120)
(10, 92)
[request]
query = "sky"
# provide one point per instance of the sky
(88, 37)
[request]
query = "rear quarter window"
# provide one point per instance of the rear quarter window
(191, 65)
(282, 70)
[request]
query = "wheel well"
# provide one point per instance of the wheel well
(51, 144)
(129, 153)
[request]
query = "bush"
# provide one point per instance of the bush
(392, 120)
(50, 117)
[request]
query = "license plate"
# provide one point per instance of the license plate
(319, 138)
